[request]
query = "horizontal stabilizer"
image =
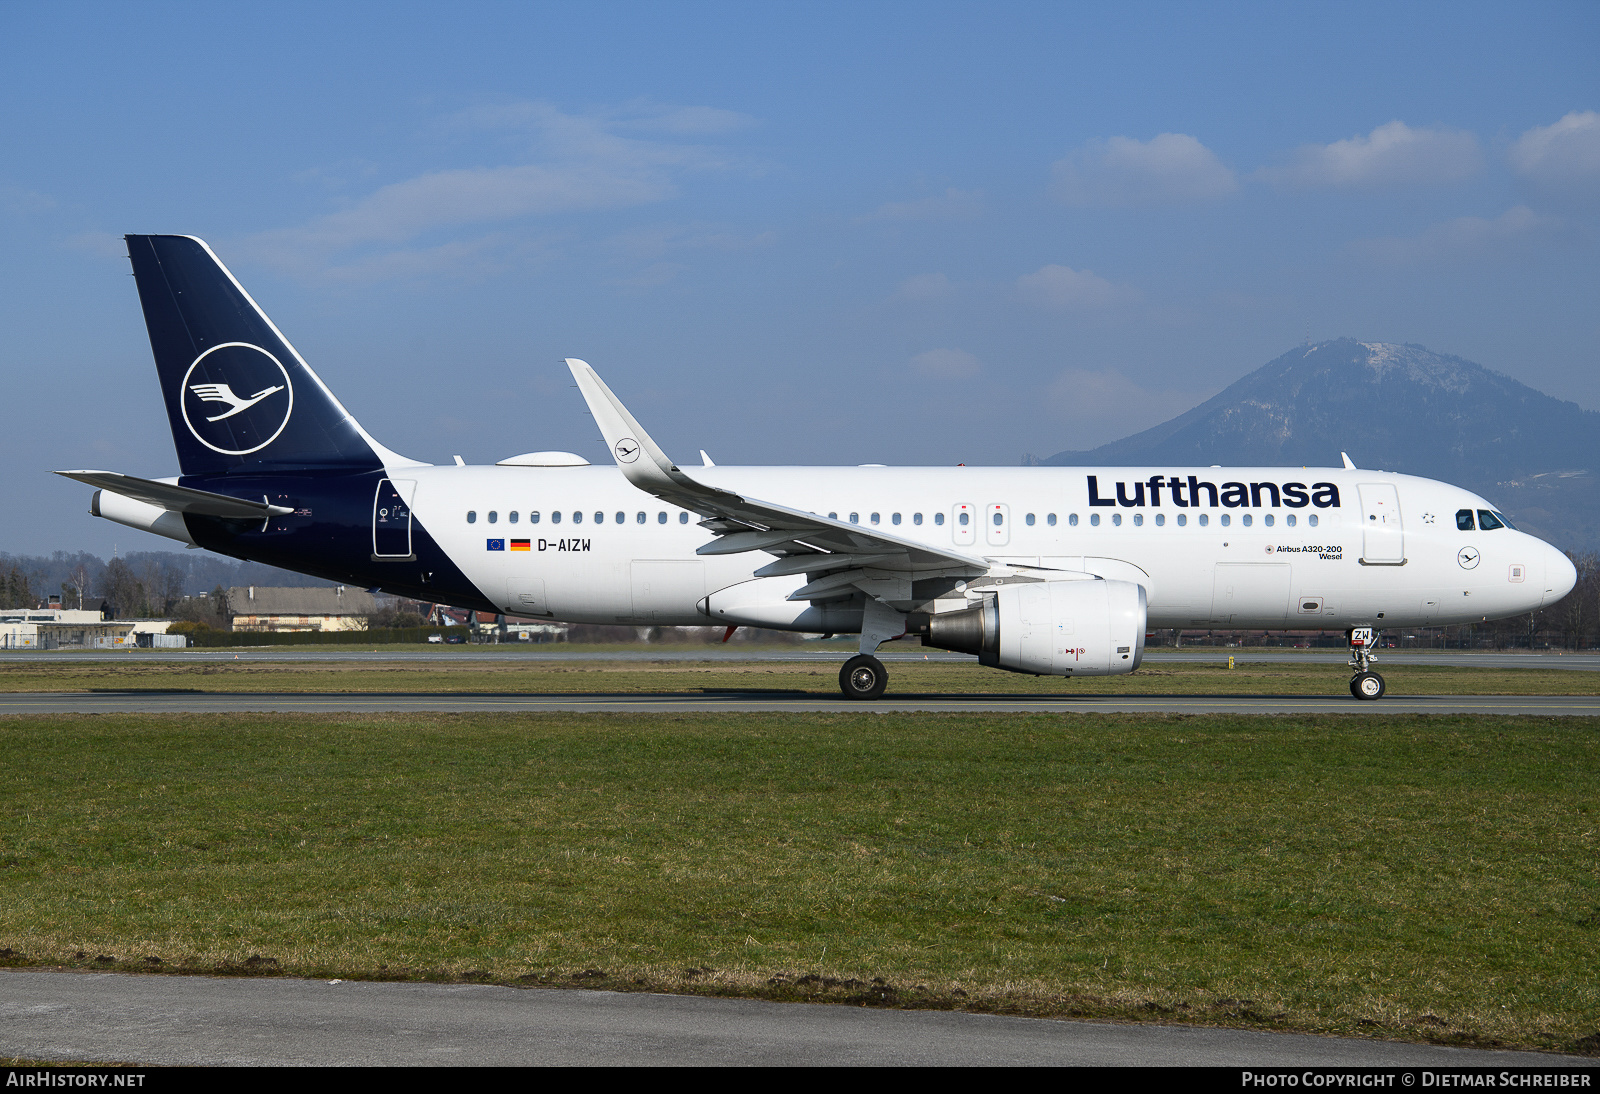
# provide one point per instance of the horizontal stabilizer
(178, 499)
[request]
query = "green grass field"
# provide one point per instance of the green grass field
(1418, 877)
(475, 674)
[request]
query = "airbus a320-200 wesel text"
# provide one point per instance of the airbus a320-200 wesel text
(1042, 570)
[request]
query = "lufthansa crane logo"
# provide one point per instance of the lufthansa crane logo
(236, 398)
(627, 449)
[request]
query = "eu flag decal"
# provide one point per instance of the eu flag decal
(497, 545)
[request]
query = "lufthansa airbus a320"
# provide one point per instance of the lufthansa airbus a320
(1049, 571)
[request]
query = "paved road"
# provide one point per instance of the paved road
(832, 653)
(205, 1020)
(754, 700)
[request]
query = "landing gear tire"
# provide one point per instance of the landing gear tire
(1367, 685)
(863, 677)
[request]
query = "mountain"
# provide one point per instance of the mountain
(1399, 408)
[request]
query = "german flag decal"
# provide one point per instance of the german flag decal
(521, 545)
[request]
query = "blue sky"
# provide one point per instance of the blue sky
(897, 233)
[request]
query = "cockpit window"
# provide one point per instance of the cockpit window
(1464, 521)
(1488, 521)
(1505, 520)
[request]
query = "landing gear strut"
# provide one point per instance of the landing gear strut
(863, 677)
(1364, 684)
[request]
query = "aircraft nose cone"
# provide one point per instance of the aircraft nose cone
(1560, 575)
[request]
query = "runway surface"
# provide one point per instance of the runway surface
(178, 1020)
(771, 702)
(833, 653)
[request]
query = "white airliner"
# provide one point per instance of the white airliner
(1048, 571)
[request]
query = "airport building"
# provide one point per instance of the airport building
(260, 608)
(68, 629)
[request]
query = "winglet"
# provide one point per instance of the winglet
(1348, 466)
(638, 456)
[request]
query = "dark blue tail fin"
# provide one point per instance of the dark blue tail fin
(238, 396)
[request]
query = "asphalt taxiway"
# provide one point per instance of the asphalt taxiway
(199, 1020)
(775, 702)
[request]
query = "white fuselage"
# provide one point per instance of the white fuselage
(1389, 552)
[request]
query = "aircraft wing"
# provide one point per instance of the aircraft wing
(178, 499)
(836, 557)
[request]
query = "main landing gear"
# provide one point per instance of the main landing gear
(1365, 684)
(863, 677)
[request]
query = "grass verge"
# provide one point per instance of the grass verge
(1419, 877)
(476, 675)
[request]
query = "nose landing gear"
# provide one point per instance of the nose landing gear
(1365, 684)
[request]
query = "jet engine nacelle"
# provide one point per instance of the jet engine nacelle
(1048, 628)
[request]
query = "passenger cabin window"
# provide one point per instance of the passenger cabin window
(855, 518)
(533, 516)
(916, 518)
(1267, 520)
(1028, 520)
(964, 520)
(555, 517)
(1073, 520)
(895, 519)
(599, 518)
(493, 516)
(640, 517)
(622, 518)
(1464, 521)
(1051, 520)
(472, 517)
(512, 516)
(1289, 520)
(1205, 519)
(1246, 520)
(577, 517)
(661, 518)
(1094, 520)
(1487, 521)
(1161, 520)
(683, 518)
(938, 518)
(1312, 520)
(1116, 519)
(1227, 519)
(833, 516)
(1183, 519)
(874, 518)
(999, 519)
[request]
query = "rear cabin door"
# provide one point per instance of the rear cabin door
(391, 521)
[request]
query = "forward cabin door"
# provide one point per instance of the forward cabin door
(1382, 538)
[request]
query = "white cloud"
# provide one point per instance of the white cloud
(1066, 289)
(1169, 168)
(103, 244)
(1103, 406)
(1464, 237)
(951, 205)
(946, 364)
(1566, 154)
(1391, 155)
(933, 286)
(14, 199)
(580, 164)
